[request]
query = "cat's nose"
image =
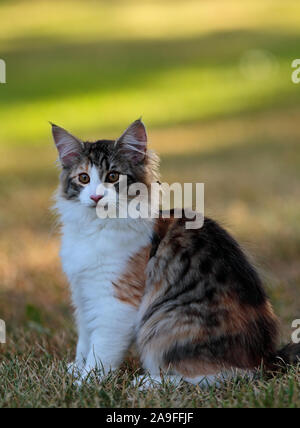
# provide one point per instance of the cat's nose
(96, 198)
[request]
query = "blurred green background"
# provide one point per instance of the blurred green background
(96, 65)
(212, 80)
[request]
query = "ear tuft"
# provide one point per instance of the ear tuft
(134, 141)
(68, 146)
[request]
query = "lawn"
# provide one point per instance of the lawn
(213, 83)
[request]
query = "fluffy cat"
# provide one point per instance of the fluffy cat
(190, 299)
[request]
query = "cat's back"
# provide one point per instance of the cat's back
(203, 299)
(210, 253)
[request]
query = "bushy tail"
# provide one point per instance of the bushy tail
(289, 355)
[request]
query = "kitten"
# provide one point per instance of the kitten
(189, 298)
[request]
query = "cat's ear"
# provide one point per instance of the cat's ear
(69, 147)
(134, 141)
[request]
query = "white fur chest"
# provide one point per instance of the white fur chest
(95, 254)
(98, 252)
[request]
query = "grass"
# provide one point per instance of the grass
(216, 92)
(36, 377)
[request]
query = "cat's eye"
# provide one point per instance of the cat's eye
(112, 177)
(84, 178)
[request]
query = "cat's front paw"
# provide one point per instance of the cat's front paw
(71, 367)
(86, 375)
(80, 376)
(75, 369)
